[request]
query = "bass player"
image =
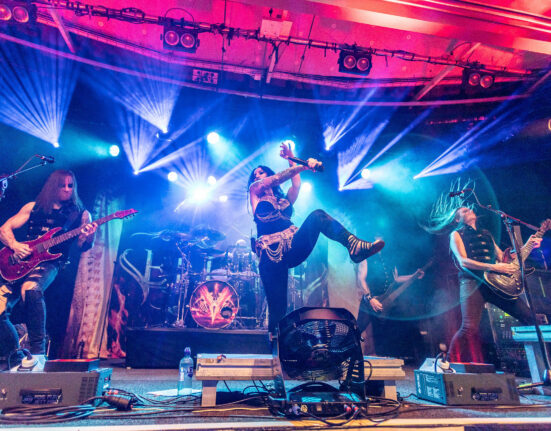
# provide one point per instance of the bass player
(57, 205)
(371, 283)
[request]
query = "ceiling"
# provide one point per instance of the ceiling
(288, 49)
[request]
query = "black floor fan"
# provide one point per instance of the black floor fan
(316, 345)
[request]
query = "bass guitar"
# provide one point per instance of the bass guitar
(509, 286)
(396, 289)
(13, 268)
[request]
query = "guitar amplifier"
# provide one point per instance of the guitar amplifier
(466, 389)
(60, 389)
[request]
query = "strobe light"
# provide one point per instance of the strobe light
(20, 12)
(358, 62)
(180, 38)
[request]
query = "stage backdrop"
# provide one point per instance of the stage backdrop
(93, 285)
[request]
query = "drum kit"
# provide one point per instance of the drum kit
(208, 287)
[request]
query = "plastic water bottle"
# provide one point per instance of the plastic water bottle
(185, 375)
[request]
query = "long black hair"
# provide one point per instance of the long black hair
(48, 195)
(278, 192)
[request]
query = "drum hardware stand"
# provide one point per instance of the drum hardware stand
(517, 248)
(183, 286)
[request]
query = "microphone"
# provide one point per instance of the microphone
(318, 168)
(47, 159)
(459, 193)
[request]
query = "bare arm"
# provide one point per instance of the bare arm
(258, 187)
(362, 282)
(458, 249)
(361, 277)
(7, 237)
(292, 193)
(87, 233)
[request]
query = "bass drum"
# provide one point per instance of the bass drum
(214, 304)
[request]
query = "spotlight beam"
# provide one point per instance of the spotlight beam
(178, 154)
(62, 29)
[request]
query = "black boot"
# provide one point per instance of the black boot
(360, 250)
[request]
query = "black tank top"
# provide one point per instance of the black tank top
(272, 215)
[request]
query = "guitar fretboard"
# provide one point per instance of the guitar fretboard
(70, 234)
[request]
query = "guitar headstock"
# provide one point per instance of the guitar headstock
(125, 213)
(545, 226)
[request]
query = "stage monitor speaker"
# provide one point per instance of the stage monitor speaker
(60, 389)
(466, 389)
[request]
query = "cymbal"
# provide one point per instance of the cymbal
(212, 252)
(206, 237)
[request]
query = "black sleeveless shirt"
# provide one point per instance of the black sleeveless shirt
(479, 246)
(379, 274)
(67, 217)
(272, 215)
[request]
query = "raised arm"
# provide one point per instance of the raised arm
(292, 193)
(7, 237)
(258, 187)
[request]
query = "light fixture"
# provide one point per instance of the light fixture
(353, 61)
(21, 12)
(180, 38)
(114, 150)
(477, 77)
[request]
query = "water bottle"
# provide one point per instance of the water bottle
(185, 375)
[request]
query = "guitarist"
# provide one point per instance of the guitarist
(475, 251)
(380, 278)
(57, 205)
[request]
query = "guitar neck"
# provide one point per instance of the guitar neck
(72, 233)
(529, 246)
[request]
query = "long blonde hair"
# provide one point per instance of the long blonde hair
(442, 217)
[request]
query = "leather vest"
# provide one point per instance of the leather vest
(68, 217)
(479, 246)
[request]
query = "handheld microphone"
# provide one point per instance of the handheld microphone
(318, 168)
(459, 193)
(47, 159)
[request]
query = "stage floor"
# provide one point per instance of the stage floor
(534, 413)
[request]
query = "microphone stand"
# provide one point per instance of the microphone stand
(18, 171)
(508, 220)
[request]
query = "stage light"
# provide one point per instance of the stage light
(476, 78)
(163, 136)
(114, 150)
(180, 38)
(172, 176)
(213, 138)
(306, 187)
(358, 62)
(199, 194)
(223, 198)
(211, 180)
(18, 11)
(487, 81)
(56, 144)
(366, 173)
(5, 13)
(136, 172)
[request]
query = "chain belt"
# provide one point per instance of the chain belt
(283, 238)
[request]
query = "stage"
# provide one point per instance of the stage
(234, 411)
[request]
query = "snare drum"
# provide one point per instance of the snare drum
(214, 304)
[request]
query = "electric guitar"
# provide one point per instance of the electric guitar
(396, 289)
(13, 268)
(509, 286)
